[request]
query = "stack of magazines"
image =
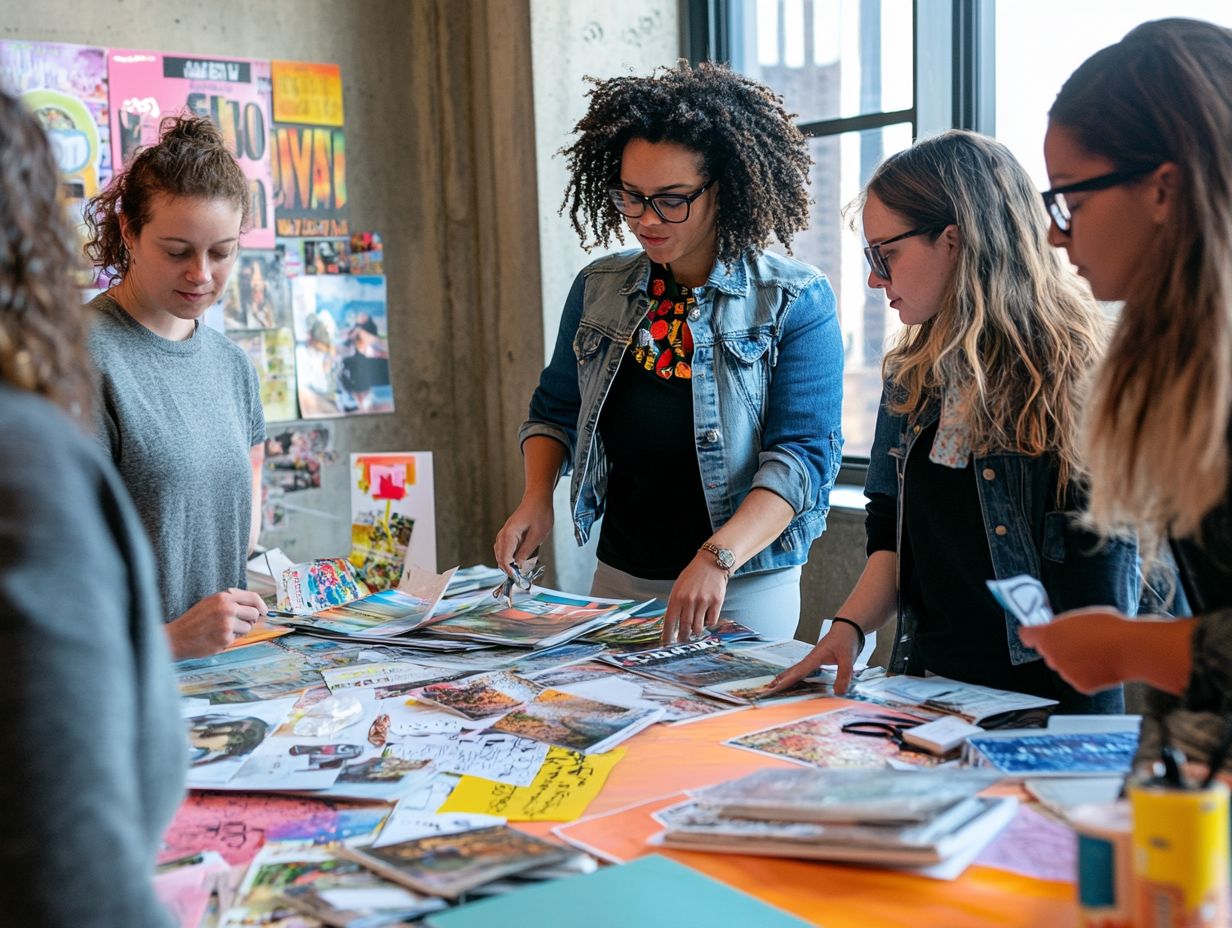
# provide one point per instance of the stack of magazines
(913, 819)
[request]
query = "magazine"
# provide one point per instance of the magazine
(709, 667)
(351, 896)
(574, 722)
(644, 627)
(979, 705)
(965, 828)
(480, 696)
(449, 865)
(1032, 753)
(538, 620)
(844, 796)
(380, 615)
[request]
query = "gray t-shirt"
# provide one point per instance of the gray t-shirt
(95, 748)
(179, 419)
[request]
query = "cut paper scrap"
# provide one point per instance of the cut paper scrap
(185, 890)
(234, 825)
(1033, 845)
(563, 788)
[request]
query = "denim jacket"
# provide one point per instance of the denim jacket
(767, 388)
(1025, 534)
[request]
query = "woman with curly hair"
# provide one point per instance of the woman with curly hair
(96, 758)
(181, 406)
(974, 472)
(696, 385)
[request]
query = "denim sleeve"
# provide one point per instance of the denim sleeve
(555, 404)
(882, 476)
(802, 439)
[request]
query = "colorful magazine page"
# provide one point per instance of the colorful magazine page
(709, 667)
(387, 678)
(644, 627)
(1030, 753)
(896, 796)
(259, 899)
(329, 825)
(449, 865)
(649, 892)
(574, 722)
(222, 739)
(319, 584)
(358, 899)
(979, 705)
(380, 615)
(819, 741)
(606, 683)
(540, 620)
(233, 92)
(481, 696)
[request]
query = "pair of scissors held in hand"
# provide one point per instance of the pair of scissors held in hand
(522, 577)
(890, 727)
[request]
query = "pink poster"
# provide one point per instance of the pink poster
(234, 92)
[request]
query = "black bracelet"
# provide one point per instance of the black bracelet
(856, 626)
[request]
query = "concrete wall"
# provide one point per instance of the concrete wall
(441, 161)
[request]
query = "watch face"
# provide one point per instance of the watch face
(725, 558)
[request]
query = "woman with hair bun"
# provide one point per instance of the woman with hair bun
(180, 409)
(696, 385)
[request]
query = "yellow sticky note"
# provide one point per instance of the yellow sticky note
(563, 788)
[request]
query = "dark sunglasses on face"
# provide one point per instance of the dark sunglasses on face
(1058, 206)
(670, 207)
(877, 261)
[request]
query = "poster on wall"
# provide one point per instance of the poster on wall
(341, 345)
(65, 86)
(308, 156)
(393, 515)
(295, 456)
(272, 352)
(258, 295)
(147, 86)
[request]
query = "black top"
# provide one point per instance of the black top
(943, 567)
(655, 516)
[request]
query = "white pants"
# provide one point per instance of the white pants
(768, 603)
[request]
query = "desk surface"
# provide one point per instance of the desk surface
(667, 759)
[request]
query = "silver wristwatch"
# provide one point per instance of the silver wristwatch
(722, 556)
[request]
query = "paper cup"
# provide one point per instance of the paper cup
(1105, 864)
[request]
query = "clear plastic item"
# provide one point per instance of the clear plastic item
(329, 716)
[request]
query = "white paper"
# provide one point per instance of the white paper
(500, 757)
(409, 824)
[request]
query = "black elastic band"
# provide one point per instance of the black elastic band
(856, 626)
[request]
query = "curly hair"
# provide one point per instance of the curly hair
(190, 160)
(746, 140)
(42, 321)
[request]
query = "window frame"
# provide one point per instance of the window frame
(957, 90)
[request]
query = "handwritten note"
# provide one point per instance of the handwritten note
(506, 758)
(565, 786)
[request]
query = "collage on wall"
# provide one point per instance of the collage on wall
(307, 296)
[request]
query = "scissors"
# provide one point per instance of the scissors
(890, 727)
(522, 577)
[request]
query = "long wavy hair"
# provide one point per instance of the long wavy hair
(42, 322)
(745, 138)
(1017, 333)
(1156, 428)
(191, 159)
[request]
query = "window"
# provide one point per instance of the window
(847, 68)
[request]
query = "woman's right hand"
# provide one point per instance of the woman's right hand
(523, 531)
(841, 647)
(213, 623)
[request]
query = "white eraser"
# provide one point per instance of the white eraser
(941, 736)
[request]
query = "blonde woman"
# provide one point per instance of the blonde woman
(1138, 152)
(974, 463)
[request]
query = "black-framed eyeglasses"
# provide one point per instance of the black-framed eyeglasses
(670, 207)
(877, 261)
(1059, 209)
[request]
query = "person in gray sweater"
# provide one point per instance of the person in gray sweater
(180, 410)
(95, 748)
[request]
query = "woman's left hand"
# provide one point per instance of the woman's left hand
(1085, 646)
(695, 600)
